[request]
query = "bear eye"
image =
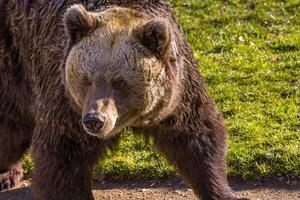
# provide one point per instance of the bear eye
(172, 59)
(86, 81)
(119, 84)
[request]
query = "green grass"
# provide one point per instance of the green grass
(249, 55)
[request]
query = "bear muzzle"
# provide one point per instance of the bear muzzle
(98, 125)
(93, 123)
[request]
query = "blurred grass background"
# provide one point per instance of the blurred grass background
(249, 55)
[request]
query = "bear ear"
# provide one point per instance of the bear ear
(79, 22)
(155, 35)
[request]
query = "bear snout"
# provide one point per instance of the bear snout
(93, 123)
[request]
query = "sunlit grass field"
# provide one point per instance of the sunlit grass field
(249, 55)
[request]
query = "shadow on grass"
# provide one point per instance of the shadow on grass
(284, 47)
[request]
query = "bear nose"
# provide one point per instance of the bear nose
(92, 123)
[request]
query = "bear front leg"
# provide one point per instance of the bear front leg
(61, 172)
(63, 164)
(200, 159)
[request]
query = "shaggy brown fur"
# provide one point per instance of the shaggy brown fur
(124, 64)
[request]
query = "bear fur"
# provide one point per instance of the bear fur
(125, 62)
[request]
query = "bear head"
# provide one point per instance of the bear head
(121, 68)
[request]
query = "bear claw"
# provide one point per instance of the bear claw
(5, 185)
(11, 177)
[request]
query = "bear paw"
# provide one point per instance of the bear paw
(11, 177)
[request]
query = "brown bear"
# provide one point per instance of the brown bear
(75, 73)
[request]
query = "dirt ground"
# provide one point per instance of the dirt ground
(276, 189)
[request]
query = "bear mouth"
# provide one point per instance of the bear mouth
(108, 130)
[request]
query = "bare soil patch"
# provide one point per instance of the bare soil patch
(275, 189)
